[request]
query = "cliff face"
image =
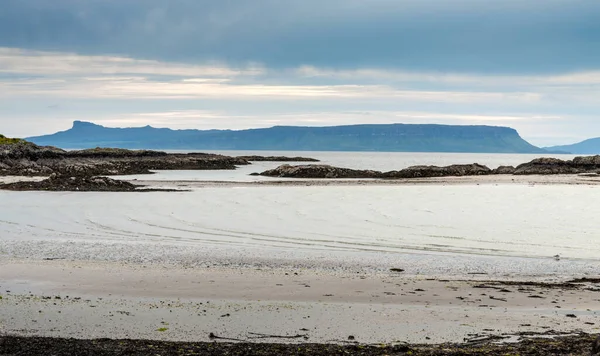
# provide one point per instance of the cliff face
(391, 138)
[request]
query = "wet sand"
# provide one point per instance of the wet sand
(497, 179)
(111, 300)
(557, 179)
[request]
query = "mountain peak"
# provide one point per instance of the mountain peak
(77, 124)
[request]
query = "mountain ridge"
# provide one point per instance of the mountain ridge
(363, 137)
(589, 146)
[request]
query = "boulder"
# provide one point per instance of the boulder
(277, 159)
(504, 170)
(592, 162)
(547, 166)
(318, 171)
(596, 347)
(65, 183)
(458, 170)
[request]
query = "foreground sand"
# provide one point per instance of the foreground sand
(110, 300)
(89, 291)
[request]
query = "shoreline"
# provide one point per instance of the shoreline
(498, 179)
(559, 179)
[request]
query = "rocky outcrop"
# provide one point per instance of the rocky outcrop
(28, 159)
(66, 183)
(100, 152)
(277, 159)
(318, 171)
(325, 171)
(545, 166)
(23, 150)
(587, 162)
(435, 171)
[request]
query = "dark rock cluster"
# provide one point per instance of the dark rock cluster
(319, 171)
(326, 171)
(277, 159)
(539, 166)
(435, 171)
(503, 170)
(28, 159)
(587, 164)
(580, 344)
(79, 183)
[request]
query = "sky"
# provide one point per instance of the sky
(233, 64)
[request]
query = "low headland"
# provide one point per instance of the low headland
(83, 170)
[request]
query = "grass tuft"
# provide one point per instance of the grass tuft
(10, 141)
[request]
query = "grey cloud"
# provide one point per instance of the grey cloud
(464, 35)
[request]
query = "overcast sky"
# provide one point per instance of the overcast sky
(529, 64)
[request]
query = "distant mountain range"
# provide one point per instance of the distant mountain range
(390, 138)
(591, 146)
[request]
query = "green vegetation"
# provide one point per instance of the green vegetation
(10, 141)
(162, 330)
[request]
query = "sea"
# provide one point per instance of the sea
(510, 220)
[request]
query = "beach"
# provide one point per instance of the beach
(465, 262)
(103, 300)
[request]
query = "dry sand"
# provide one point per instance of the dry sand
(98, 300)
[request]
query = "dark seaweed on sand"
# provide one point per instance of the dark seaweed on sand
(38, 346)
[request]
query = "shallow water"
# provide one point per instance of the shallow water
(380, 161)
(503, 220)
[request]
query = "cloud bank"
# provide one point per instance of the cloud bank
(240, 64)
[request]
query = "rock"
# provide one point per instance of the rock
(326, 171)
(277, 159)
(504, 170)
(65, 183)
(587, 161)
(435, 171)
(100, 152)
(27, 150)
(25, 158)
(596, 347)
(318, 171)
(589, 164)
(545, 166)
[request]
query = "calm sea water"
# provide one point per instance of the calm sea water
(380, 161)
(503, 220)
